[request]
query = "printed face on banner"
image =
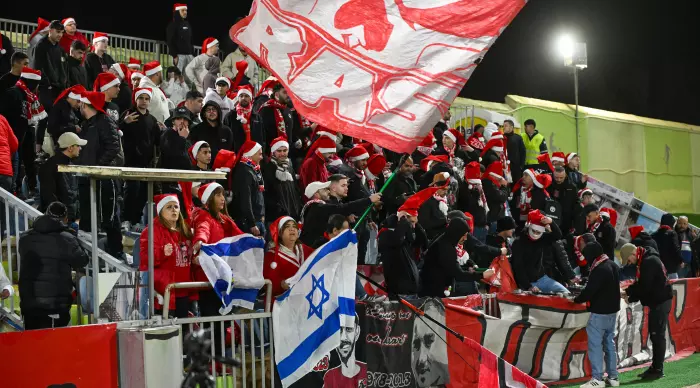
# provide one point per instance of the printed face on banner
(382, 70)
(428, 352)
(351, 373)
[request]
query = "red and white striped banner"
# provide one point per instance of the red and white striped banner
(381, 70)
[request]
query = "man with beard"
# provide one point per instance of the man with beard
(350, 373)
(429, 351)
(314, 168)
(685, 238)
(153, 72)
(282, 197)
(238, 119)
(211, 130)
(401, 187)
(274, 122)
(565, 193)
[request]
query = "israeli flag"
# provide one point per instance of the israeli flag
(234, 267)
(321, 299)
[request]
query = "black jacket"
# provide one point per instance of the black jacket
(49, 58)
(468, 201)
(139, 139)
(59, 186)
(652, 287)
(5, 63)
(516, 154)
(13, 105)
(439, 130)
(248, 204)
(645, 240)
(538, 201)
(7, 81)
(123, 100)
(576, 178)
(356, 189)
(441, 268)
(237, 131)
(495, 242)
(606, 237)
(267, 115)
(179, 36)
(489, 157)
(669, 249)
(603, 287)
(497, 198)
(431, 218)
(426, 179)
(282, 197)
(528, 258)
(102, 148)
(94, 65)
(218, 136)
(398, 241)
(567, 196)
(62, 119)
(399, 189)
(316, 215)
(77, 73)
(174, 155)
(49, 252)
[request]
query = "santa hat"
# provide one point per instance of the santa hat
(95, 99)
(610, 214)
(413, 203)
(335, 161)
(558, 157)
(194, 149)
(224, 161)
(136, 75)
(570, 156)
(249, 148)
(325, 145)
(323, 131)
(493, 144)
(245, 89)
(275, 228)
(67, 21)
(42, 26)
(472, 172)
(428, 141)
(209, 43)
(74, 92)
(456, 137)
(375, 165)
(177, 7)
(635, 230)
(140, 91)
(583, 192)
(494, 171)
(205, 191)
(475, 141)
(540, 180)
(357, 153)
(278, 143)
(534, 221)
(544, 158)
(470, 221)
(428, 162)
(223, 79)
(105, 81)
(163, 199)
(134, 63)
(152, 68)
(30, 74)
(99, 37)
(269, 83)
(121, 69)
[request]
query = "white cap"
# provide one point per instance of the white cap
(314, 187)
(70, 139)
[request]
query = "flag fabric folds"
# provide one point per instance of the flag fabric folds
(234, 267)
(321, 299)
(496, 372)
(385, 72)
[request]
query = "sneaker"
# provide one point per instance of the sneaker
(594, 384)
(652, 374)
(612, 382)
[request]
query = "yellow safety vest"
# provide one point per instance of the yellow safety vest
(532, 147)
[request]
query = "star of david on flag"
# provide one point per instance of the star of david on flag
(321, 299)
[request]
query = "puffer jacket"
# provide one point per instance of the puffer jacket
(62, 119)
(667, 241)
(248, 205)
(167, 268)
(59, 186)
(218, 137)
(8, 146)
(102, 148)
(49, 252)
(209, 230)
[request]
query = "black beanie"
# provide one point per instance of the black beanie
(668, 220)
(591, 207)
(592, 251)
(505, 223)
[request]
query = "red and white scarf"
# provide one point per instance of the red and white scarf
(594, 226)
(599, 260)
(476, 184)
(442, 203)
(451, 152)
(580, 258)
(525, 199)
(256, 170)
(640, 255)
(303, 210)
(295, 257)
(36, 112)
(243, 115)
(279, 119)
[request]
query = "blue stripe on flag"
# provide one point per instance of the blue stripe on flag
(346, 306)
(330, 327)
(235, 248)
(246, 294)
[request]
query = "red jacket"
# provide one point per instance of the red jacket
(67, 40)
(281, 265)
(172, 255)
(209, 230)
(8, 146)
(313, 170)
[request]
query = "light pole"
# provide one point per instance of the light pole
(574, 54)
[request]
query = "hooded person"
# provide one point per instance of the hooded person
(213, 68)
(212, 130)
(282, 196)
(472, 199)
(529, 194)
(196, 69)
(239, 118)
(179, 37)
(285, 253)
(528, 255)
(641, 238)
(501, 238)
(669, 247)
(441, 268)
(219, 94)
(314, 168)
(432, 214)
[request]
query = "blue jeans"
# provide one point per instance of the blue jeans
(601, 337)
(480, 233)
(673, 276)
(685, 272)
(359, 290)
(547, 284)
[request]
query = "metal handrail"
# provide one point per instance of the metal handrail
(205, 286)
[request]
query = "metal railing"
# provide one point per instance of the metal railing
(16, 218)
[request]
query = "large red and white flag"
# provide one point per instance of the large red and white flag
(381, 70)
(495, 372)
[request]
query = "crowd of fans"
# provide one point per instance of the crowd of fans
(459, 201)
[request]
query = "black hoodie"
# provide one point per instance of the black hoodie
(667, 241)
(218, 136)
(179, 36)
(441, 268)
(528, 258)
(652, 287)
(603, 287)
(397, 243)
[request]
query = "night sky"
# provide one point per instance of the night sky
(643, 55)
